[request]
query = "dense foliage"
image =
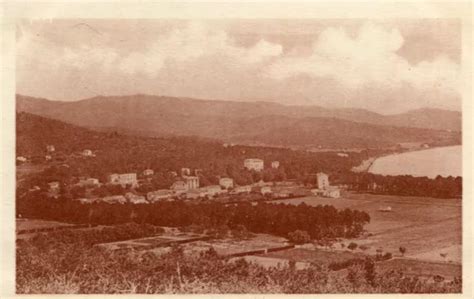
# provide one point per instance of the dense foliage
(318, 222)
(405, 185)
(122, 153)
(51, 264)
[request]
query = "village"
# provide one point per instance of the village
(186, 185)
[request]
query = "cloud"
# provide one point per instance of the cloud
(361, 68)
(195, 41)
(370, 57)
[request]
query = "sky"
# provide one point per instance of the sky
(386, 66)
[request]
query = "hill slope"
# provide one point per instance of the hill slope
(248, 123)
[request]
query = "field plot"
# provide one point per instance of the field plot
(260, 243)
(422, 268)
(271, 262)
(314, 256)
(164, 240)
(429, 228)
(31, 226)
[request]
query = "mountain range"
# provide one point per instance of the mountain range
(257, 123)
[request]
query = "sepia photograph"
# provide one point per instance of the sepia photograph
(238, 155)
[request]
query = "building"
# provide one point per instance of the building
(275, 164)
(185, 171)
(343, 155)
(254, 164)
(87, 153)
(47, 157)
(148, 172)
(89, 182)
(85, 200)
(196, 193)
(226, 183)
(323, 180)
(135, 199)
(213, 190)
(50, 148)
(21, 159)
(114, 199)
(241, 189)
(266, 190)
(179, 187)
(123, 179)
(159, 195)
(53, 186)
(331, 192)
(192, 182)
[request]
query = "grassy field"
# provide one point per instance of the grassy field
(422, 268)
(29, 224)
(428, 228)
(314, 256)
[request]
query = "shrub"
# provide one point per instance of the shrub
(352, 246)
(299, 237)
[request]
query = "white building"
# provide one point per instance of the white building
(159, 195)
(53, 186)
(323, 180)
(241, 189)
(331, 192)
(148, 172)
(135, 199)
(275, 164)
(213, 190)
(48, 157)
(88, 182)
(114, 199)
(343, 155)
(226, 183)
(123, 179)
(185, 171)
(50, 148)
(179, 187)
(87, 153)
(266, 190)
(21, 159)
(196, 193)
(192, 182)
(254, 164)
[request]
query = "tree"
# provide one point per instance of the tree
(402, 250)
(299, 237)
(352, 246)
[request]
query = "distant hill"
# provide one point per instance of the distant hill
(116, 152)
(260, 123)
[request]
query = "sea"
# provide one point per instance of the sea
(443, 161)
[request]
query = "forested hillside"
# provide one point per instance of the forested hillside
(251, 123)
(116, 152)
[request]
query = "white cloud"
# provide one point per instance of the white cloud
(368, 58)
(193, 42)
(359, 69)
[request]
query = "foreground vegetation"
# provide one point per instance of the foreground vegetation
(276, 219)
(49, 263)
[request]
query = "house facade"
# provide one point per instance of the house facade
(254, 164)
(123, 179)
(226, 183)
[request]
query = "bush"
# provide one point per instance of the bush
(299, 237)
(352, 246)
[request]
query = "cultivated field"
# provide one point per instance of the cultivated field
(429, 228)
(23, 225)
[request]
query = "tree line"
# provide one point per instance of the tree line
(277, 219)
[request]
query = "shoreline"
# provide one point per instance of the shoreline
(367, 164)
